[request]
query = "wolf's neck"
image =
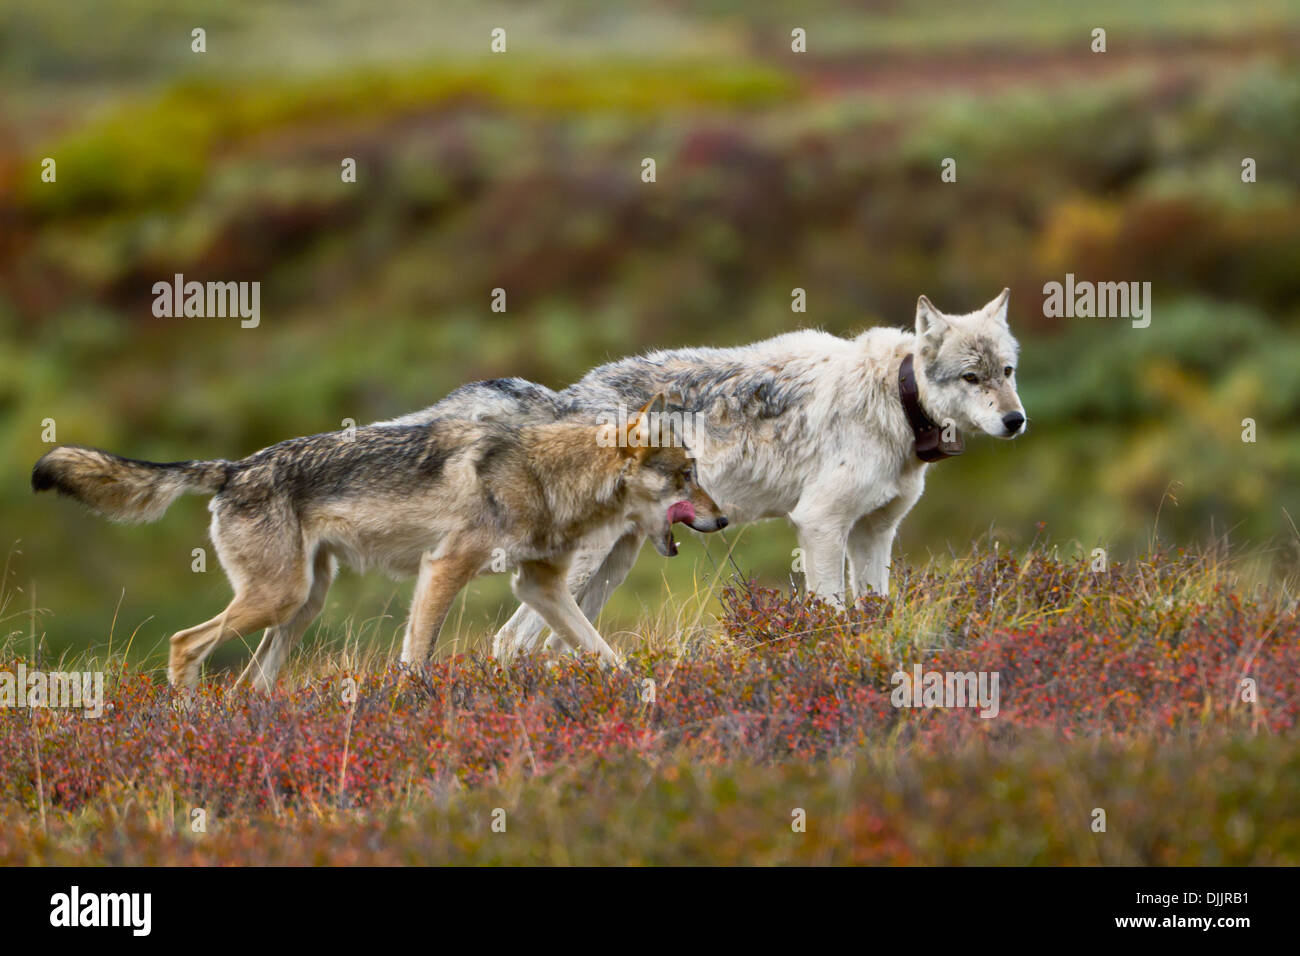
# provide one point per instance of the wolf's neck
(580, 479)
(922, 379)
(868, 384)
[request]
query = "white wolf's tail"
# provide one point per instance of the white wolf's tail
(123, 489)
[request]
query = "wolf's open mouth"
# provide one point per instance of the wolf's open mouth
(667, 543)
(682, 511)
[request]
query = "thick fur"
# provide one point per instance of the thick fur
(443, 500)
(806, 426)
(123, 489)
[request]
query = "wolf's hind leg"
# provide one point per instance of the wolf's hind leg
(544, 587)
(264, 558)
(279, 641)
(247, 614)
(441, 579)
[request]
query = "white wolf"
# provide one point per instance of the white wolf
(832, 434)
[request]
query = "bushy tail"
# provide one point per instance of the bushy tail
(124, 489)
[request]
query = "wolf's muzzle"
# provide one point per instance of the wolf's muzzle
(708, 524)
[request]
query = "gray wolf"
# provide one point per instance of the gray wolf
(806, 426)
(443, 500)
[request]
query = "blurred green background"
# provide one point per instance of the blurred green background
(776, 170)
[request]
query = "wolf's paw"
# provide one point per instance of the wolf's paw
(182, 674)
(184, 701)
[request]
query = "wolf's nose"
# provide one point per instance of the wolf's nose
(1012, 421)
(722, 522)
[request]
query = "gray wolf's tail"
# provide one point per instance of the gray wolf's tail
(123, 489)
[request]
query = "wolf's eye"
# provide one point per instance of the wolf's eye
(1007, 371)
(971, 377)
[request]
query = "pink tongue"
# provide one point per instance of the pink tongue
(681, 511)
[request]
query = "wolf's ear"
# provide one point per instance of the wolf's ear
(639, 429)
(998, 307)
(929, 320)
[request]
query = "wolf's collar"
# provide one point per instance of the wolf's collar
(930, 443)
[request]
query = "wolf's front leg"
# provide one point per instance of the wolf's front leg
(544, 587)
(520, 634)
(870, 547)
(871, 542)
(592, 586)
(823, 538)
(594, 574)
(440, 580)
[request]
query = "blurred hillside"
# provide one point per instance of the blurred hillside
(522, 171)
